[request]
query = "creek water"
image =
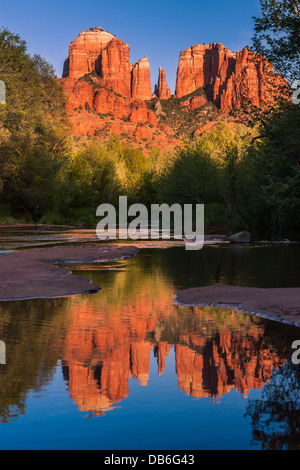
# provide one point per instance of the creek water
(127, 368)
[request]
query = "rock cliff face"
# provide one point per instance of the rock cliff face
(162, 91)
(114, 68)
(201, 66)
(84, 52)
(106, 94)
(229, 80)
(96, 50)
(96, 111)
(140, 80)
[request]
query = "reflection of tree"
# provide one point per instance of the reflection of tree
(276, 417)
(33, 332)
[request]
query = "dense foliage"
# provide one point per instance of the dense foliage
(33, 131)
(277, 35)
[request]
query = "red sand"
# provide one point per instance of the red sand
(281, 304)
(31, 273)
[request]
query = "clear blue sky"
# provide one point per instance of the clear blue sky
(159, 29)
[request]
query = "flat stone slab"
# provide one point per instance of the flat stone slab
(30, 274)
(281, 304)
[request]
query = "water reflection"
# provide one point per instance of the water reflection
(215, 350)
(14, 238)
(276, 417)
(106, 339)
(33, 332)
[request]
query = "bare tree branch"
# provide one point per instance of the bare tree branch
(296, 9)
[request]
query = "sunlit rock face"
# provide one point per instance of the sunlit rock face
(112, 99)
(230, 80)
(140, 80)
(84, 52)
(162, 91)
(114, 68)
(106, 94)
(87, 104)
(96, 50)
(202, 65)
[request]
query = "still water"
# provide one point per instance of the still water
(126, 368)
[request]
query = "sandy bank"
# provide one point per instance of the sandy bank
(281, 304)
(34, 274)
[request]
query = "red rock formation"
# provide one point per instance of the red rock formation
(141, 81)
(230, 80)
(200, 65)
(112, 98)
(79, 93)
(82, 96)
(96, 50)
(197, 102)
(84, 52)
(162, 91)
(114, 67)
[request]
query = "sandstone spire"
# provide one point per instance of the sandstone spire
(141, 81)
(162, 91)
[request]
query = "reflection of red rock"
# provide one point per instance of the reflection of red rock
(99, 387)
(230, 80)
(110, 342)
(140, 361)
(104, 351)
(227, 362)
(163, 351)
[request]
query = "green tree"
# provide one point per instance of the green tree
(34, 136)
(95, 174)
(277, 35)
